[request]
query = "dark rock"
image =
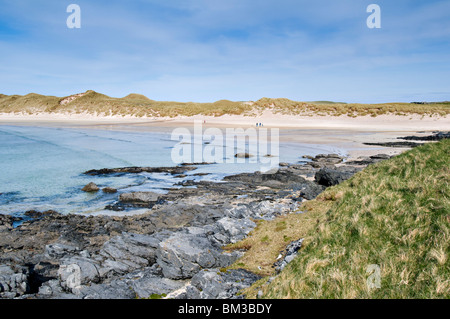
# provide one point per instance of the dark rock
(369, 160)
(200, 174)
(317, 165)
(243, 155)
(118, 207)
(136, 170)
(309, 190)
(59, 250)
(435, 137)
(364, 161)
(90, 188)
(330, 177)
(13, 281)
(134, 200)
(380, 157)
(77, 271)
(300, 169)
(109, 190)
(35, 214)
(189, 182)
(232, 230)
(266, 210)
(139, 198)
(395, 144)
(145, 284)
(128, 252)
(288, 255)
(328, 158)
(217, 284)
(6, 222)
(41, 273)
(52, 289)
(283, 176)
(182, 255)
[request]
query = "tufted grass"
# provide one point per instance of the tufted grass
(394, 214)
(139, 105)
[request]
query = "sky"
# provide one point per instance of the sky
(240, 50)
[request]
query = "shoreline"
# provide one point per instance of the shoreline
(342, 131)
(174, 250)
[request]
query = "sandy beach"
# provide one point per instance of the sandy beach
(385, 122)
(344, 132)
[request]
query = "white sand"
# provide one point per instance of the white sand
(342, 131)
(269, 119)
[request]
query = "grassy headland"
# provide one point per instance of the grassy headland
(138, 105)
(394, 214)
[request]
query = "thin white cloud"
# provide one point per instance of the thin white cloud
(208, 50)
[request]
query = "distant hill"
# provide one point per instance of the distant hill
(134, 96)
(96, 103)
(139, 105)
(327, 102)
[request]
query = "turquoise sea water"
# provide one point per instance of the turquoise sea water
(42, 168)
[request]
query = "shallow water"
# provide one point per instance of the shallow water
(42, 167)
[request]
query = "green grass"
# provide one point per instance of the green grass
(328, 108)
(394, 214)
(139, 105)
(133, 104)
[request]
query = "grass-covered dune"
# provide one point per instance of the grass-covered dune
(92, 102)
(394, 215)
(286, 106)
(138, 105)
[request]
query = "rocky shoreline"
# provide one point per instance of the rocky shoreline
(175, 250)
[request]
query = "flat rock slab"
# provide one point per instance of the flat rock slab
(136, 170)
(182, 255)
(138, 284)
(127, 252)
(139, 197)
(216, 284)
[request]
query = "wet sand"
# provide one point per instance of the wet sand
(343, 132)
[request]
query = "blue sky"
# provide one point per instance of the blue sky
(207, 50)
